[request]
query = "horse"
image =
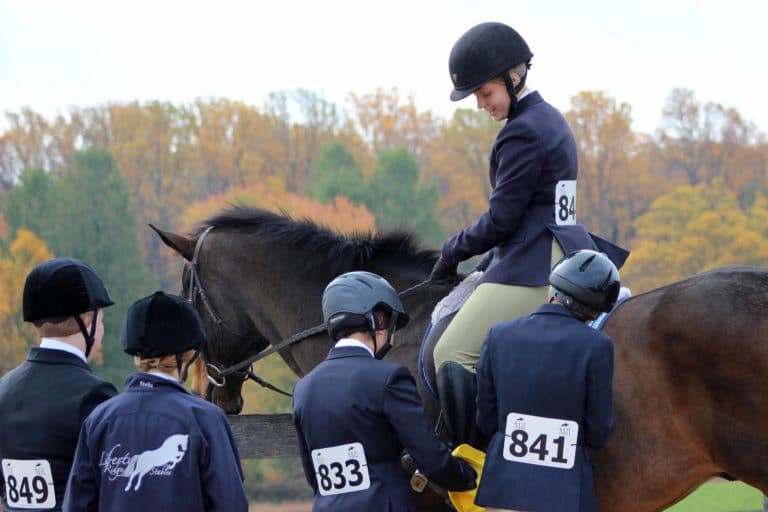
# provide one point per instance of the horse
(689, 357)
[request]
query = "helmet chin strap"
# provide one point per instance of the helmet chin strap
(379, 354)
(513, 90)
(89, 338)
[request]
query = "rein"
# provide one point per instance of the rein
(244, 369)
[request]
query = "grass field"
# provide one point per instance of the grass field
(722, 497)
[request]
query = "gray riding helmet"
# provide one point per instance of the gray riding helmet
(349, 301)
(587, 277)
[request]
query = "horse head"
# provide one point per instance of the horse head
(231, 335)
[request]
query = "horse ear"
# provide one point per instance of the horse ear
(183, 245)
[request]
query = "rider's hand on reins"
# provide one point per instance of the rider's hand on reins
(443, 272)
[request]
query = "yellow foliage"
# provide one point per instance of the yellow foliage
(16, 336)
(693, 229)
(341, 215)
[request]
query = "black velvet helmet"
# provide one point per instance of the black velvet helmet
(484, 52)
(60, 288)
(587, 278)
(162, 324)
(350, 299)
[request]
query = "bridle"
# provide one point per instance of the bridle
(215, 372)
(244, 369)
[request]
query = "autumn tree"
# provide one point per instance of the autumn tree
(387, 121)
(25, 251)
(340, 214)
(708, 141)
(459, 164)
(692, 229)
(302, 122)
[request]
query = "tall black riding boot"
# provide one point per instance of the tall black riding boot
(457, 390)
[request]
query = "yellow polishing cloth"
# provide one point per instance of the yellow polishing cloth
(464, 501)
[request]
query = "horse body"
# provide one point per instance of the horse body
(688, 391)
(689, 358)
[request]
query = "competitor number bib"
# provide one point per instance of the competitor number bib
(540, 441)
(565, 202)
(341, 469)
(28, 484)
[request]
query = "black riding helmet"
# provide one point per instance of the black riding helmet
(484, 52)
(160, 325)
(586, 279)
(350, 300)
(61, 288)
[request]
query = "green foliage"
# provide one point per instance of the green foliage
(27, 205)
(85, 214)
(336, 174)
(397, 198)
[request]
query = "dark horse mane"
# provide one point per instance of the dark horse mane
(332, 250)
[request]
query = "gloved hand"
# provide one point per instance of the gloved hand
(443, 272)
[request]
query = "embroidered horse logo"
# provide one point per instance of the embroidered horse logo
(167, 456)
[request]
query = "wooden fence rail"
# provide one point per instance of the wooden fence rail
(261, 436)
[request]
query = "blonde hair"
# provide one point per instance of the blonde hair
(520, 70)
(165, 364)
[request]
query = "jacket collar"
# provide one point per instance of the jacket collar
(553, 309)
(51, 356)
(527, 102)
(340, 352)
(140, 381)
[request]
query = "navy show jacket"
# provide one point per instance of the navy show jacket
(156, 447)
(353, 398)
(43, 403)
(533, 152)
(551, 365)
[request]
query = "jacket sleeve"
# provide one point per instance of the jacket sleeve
(82, 492)
(598, 420)
(486, 392)
(405, 412)
(99, 393)
(306, 463)
(221, 475)
(520, 161)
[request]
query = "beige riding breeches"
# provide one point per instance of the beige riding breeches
(489, 304)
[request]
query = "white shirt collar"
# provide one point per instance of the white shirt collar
(349, 342)
(51, 344)
(526, 93)
(158, 373)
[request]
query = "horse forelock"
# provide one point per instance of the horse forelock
(330, 249)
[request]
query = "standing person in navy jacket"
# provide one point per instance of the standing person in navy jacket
(44, 401)
(544, 394)
(531, 217)
(157, 446)
(354, 414)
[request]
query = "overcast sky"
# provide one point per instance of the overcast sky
(60, 53)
